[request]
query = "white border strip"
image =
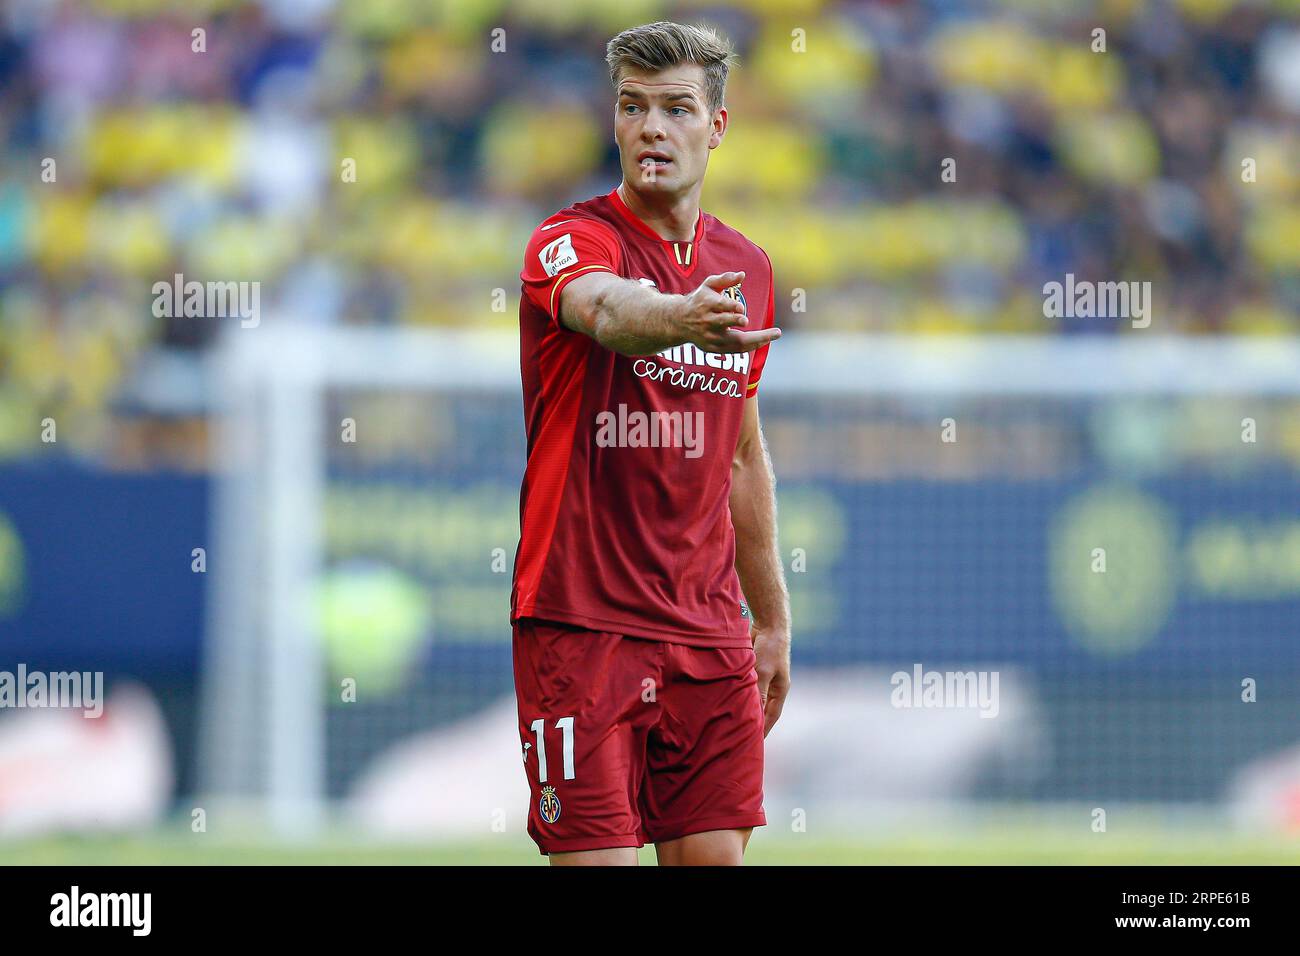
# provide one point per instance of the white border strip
(822, 362)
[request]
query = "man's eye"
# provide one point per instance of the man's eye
(629, 106)
(675, 108)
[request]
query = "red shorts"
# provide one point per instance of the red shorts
(628, 741)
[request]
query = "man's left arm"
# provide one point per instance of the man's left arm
(758, 562)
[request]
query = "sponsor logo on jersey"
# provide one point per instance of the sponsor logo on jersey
(689, 354)
(712, 384)
(558, 254)
(549, 805)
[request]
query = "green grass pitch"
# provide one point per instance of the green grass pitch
(1003, 846)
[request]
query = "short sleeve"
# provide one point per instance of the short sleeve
(562, 250)
(769, 320)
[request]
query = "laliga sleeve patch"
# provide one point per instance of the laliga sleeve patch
(558, 254)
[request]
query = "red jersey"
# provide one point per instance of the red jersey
(625, 522)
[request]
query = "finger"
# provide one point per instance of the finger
(723, 280)
(772, 713)
(738, 341)
(724, 318)
(725, 303)
(778, 689)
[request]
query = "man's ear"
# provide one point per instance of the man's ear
(715, 138)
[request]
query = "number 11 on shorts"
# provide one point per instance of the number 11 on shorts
(564, 724)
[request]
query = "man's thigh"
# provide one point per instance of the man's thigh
(705, 757)
(583, 725)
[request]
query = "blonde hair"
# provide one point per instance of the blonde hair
(658, 46)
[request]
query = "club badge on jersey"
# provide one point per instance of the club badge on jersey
(549, 805)
(735, 293)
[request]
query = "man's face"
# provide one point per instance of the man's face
(665, 113)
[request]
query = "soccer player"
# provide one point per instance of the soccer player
(651, 619)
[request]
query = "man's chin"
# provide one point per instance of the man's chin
(660, 182)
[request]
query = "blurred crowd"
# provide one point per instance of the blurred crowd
(910, 166)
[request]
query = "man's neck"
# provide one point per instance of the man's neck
(674, 221)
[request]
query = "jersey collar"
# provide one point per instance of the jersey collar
(640, 223)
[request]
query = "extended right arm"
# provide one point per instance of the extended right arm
(633, 319)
